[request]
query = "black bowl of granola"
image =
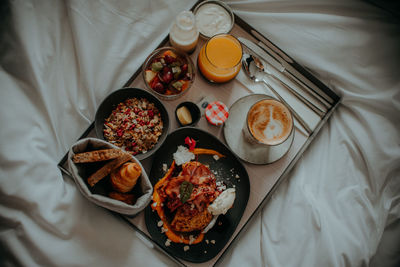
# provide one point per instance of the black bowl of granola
(134, 120)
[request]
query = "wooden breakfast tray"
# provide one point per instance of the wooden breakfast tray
(264, 179)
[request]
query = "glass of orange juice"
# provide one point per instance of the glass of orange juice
(219, 58)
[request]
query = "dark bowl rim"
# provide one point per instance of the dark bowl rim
(154, 99)
(198, 111)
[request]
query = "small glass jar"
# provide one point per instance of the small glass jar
(184, 33)
(219, 59)
(213, 17)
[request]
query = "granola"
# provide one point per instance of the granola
(134, 125)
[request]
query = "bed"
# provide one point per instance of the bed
(340, 205)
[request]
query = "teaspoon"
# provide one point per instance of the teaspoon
(266, 70)
(253, 73)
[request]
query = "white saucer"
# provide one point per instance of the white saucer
(233, 133)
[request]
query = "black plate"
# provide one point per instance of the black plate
(111, 102)
(227, 168)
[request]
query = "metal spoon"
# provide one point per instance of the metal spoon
(266, 70)
(255, 74)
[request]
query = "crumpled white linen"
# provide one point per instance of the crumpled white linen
(341, 203)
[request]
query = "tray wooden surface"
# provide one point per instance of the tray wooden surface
(264, 179)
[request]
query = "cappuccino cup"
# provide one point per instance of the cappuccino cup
(269, 123)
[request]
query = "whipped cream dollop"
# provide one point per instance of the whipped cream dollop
(223, 202)
(183, 155)
(220, 206)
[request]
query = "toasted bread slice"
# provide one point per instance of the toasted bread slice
(97, 155)
(108, 168)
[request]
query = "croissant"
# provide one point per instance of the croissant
(125, 177)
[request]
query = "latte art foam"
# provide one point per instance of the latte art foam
(269, 122)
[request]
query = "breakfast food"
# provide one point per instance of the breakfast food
(223, 202)
(123, 173)
(107, 168)
(134, 125)
(97, 155)
(269, 122)
(125, 177)
(184, 115)
(212, 19)
(168, 73)
(124, 197)
(182, 197)
(195, 222)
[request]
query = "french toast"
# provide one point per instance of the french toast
(184, 223)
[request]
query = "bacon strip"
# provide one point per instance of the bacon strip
(166, 193)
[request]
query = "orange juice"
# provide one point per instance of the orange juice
(219, 59)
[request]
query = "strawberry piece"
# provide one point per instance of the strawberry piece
(190, 142)
(154, 81)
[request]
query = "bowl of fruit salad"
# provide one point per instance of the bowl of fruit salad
(168, 73)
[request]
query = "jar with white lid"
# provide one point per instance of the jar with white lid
(184, 33)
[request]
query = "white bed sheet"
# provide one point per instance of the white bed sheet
(59, 59)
